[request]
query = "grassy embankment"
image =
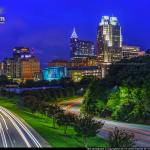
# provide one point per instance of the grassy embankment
(42, 125)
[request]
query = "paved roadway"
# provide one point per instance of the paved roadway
(15, 133)
(141, 132)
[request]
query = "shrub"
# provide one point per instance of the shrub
(121, 138)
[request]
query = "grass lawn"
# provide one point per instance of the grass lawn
(42, 125)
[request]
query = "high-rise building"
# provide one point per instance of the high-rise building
(22, 65)
(12, 68)
(80, 49)
(109, 40)
(29, 66)
(83, 60)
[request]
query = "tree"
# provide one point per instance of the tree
(53, 111)
(65, 120)
(86, 126)
(34, 106)
(28, 100)
(121, 138)
(31, 102)
(4, 80)
(130, 101)
(43, 107)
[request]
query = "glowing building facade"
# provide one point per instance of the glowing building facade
(55, 73)
(80, 49)
(77, 73)
(22, 65)
(130, 51)
(29, 66)
(109, 40)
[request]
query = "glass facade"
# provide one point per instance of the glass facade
(109, 40)
(80, 48)
(55, 73)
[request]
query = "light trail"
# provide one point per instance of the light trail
(23, 127)
(3, 136)
(17, 128)
(141, 132)
(7, 129)
(4, 122)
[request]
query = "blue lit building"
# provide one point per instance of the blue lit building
(55, 73)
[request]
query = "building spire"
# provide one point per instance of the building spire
(74, 34)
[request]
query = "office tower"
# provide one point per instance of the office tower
(80, 48)
(109, 40)
(21, 52)
(22, 65)
(29, 67)
(12, 68)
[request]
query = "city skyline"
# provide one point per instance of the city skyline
(57, 31)
(74, 74)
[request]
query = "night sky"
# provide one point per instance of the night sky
(46, 25)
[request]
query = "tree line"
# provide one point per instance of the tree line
(84, 124)
(123, 94)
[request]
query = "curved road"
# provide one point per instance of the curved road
(141, 132)
(15, 133)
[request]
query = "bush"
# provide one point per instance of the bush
(121, 138)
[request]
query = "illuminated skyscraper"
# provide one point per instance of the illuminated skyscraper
(22, 66)
(80, 49)
(29, 66)
(109, 40)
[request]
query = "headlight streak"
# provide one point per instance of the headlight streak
(17, 128)
(23, 127)
(3, 136)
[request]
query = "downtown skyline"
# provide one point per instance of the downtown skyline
(47, 27)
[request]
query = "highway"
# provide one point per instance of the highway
(15, 133)
(141, 132)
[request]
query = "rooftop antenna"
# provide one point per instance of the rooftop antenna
(74, 34)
